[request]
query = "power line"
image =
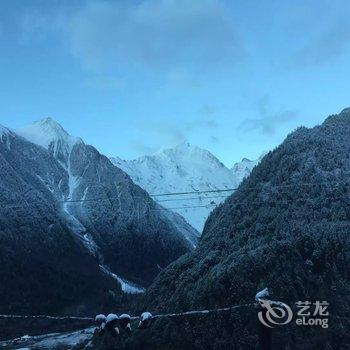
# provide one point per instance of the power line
(188, 198)
(151, 209)
(191, 192)
(211, 191)
(209, 204)
(250, 188)
(184, 207)
(151, 195)
(280, 201)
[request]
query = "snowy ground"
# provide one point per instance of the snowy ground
(50, 341)
(126, 286)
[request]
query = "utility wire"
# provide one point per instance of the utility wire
(188, 198)
(193, 192)
(213, 191)
(184, 207)
(280, 201)
(151, 195)
(47, 317)
(252, 188)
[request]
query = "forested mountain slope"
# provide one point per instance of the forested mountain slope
(43, 266)
(58, 244)
(286, 228)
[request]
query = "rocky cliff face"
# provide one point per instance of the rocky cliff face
(287, 228)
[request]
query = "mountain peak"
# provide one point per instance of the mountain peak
(48, 121)
(49, 125)
(4, 130)
(183, 168)
(243, 168)
(45, 131)
(345, 111)
(184, 145)
(180, 147)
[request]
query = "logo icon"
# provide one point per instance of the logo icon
(274, 313)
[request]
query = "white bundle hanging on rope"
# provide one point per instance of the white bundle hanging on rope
(100, 318)
(111, 323)
(145, 320)
(262, 295)
(124, 322)
(112, 318)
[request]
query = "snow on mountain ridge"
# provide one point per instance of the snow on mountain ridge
(48, 133)
(243, 168)
(186, 168)
(4, 136)
(4, 130)
(88, 174)
(52, 136)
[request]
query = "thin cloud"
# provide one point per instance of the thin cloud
(268, 121)
(166, 134)
(268, 125)
(142, 148)
(325, 48)
(163, 133)
(162, 35)
(214, 140)
(207, 110)
(206, 120)
(201, 124)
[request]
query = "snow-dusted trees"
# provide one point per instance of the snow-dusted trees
(287, 226)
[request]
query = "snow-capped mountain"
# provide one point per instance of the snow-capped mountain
(243, 168)
(91, 175)
(49, 183)
(52, 269)
(186, 168)
(47, 133)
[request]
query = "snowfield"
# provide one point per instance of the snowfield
(126, 286)
(52, 341)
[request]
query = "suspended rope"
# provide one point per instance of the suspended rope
(101, 317)
(47, 317)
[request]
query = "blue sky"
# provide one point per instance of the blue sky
(129, 77)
